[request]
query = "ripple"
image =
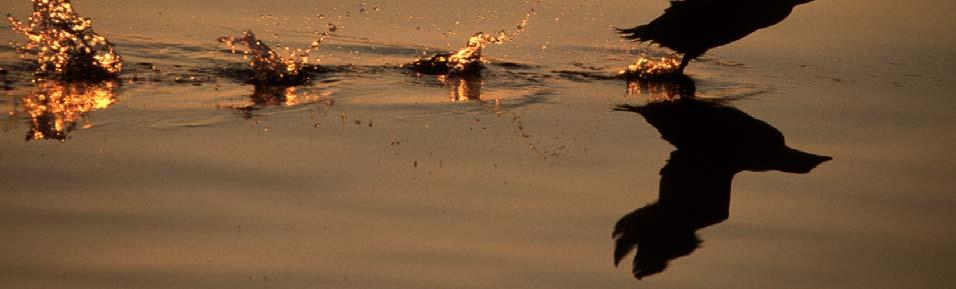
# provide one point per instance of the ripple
(187, 122)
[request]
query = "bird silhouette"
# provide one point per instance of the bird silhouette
(714, 142)
(692, 27)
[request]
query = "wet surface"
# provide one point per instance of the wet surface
(181, 173)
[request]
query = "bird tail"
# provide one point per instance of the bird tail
(639, 33)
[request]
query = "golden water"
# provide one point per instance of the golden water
(181, 174)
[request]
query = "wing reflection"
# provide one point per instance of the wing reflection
(714, 142)
(55, 108)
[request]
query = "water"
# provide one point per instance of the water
(181, 174)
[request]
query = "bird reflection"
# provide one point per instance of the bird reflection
(55, 108)
(714, 142)
(463, 87)
(670, 87)
(692, 27)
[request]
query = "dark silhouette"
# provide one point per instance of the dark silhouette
(692, 27)
(714, 142)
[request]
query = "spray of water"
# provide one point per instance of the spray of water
(65, 45)
(274, 68)
(468, 60)
(649, 67)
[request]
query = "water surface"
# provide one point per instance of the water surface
(185, 176)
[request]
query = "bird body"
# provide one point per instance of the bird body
(692, 27)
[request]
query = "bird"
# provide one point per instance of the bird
(692, 27)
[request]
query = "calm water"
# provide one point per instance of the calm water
(182, 176)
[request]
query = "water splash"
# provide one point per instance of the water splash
(65, 45)
(55, 108)
(273, 68)
(468, 60)
(649, 67)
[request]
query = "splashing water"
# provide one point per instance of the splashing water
(55, 108)
(65, 45)
(468, 60)
(271, 67)
(648, 67)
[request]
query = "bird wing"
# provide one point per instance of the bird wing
(694, 26)
(694, 193)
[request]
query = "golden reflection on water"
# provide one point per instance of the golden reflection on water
(280, 95)
(463, 88)
(273, 95)
(662, 89)
(64, 43)
(55, 108)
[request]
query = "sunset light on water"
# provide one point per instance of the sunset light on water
(477, 144)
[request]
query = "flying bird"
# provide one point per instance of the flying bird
(692, 27)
